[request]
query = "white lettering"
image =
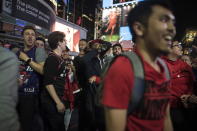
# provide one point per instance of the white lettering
(29, 68)
(43, 14)
(31, 8)
(31, 13)
(20, 3)
(28, 89)
(43, 19)
(20, 8)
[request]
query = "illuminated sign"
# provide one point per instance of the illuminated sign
(34, 12)
(110, 3)
(121, 1)
(72, 35)
(114, 26)
(114, 21)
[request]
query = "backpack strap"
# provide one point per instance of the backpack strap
(139, 82)
(166, 70)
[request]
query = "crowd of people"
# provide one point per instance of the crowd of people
(41, 85)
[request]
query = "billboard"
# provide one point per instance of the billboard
(115, 26)
(73, 33)
(32, 11)
(121, 1)
(114, 20)
(110, 3)
(111, 24)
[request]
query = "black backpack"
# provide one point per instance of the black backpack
(139, 81)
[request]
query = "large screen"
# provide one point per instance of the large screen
(120, 1)
(110, 3)
(71, 35)
(115, 26)
(114, 20)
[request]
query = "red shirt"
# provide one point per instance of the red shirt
(182, 80)
(118, 85)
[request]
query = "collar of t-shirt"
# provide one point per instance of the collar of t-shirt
(150, 73)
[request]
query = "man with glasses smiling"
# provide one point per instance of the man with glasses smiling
(182, 80)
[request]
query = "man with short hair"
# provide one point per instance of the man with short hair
(83, 44)
(181, 87)
(79, 64)
(94, 62)
(52, 97)
(152, 25)
(40, 42)
(31, 65)
(80, 71)
(117, 49)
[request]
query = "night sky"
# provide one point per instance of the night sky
(186, 15)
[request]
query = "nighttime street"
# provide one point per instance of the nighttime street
(98, 65)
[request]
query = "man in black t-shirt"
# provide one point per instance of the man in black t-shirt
(54, 81)
(80, 71)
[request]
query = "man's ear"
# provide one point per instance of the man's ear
(58, 44)
(138, 29)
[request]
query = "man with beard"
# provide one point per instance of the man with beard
(94, 62)
(152, 25)
(117, 49)
(80, 71)
(78, 63)
(31, 65)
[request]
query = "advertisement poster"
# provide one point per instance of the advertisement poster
(120, 1)
(111, 24)
(33, 12)
(115, 26)
(70, 33)
(73, 33)
(114, 21)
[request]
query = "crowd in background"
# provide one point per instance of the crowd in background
(51, 83)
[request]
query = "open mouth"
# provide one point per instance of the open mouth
(168, 39)
(30, 40)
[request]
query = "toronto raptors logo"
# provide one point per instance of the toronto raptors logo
(155, 102)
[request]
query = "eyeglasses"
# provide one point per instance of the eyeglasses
(178, 45)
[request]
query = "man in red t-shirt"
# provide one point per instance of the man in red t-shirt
(152, 30)
(181, 87)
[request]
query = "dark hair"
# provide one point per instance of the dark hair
(95, 41)
(40, 38)
(54, 38)
(117, 44)
(84, 40)
(142, 11)
(27, 27)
